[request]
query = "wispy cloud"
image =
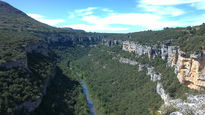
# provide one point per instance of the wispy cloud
(152, 14)
(95, 27)
(162, 10)
(42, 19)
(199, 5)
(149, 21)
(168, 2)
(82, 12)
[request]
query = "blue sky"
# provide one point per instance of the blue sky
(119, 16)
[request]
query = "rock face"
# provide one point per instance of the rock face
(164, 52)
(111, 42)
(127, 61)
(141, 67)
(193, 105)
(190, 70)
(140, 49)
(40, 47)
(172, 56)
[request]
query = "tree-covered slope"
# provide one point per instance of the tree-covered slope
(28, 66)
(189, 39)
(116, 89)
(40, 62)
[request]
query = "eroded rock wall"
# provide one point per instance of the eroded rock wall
(190, 69)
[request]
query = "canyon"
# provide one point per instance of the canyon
(189, 69)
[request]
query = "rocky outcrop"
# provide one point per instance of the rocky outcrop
(193, 105)
(140, 49)
(164, 52)
(141, 67)
(40, 47)
(153, 75)
(127, 61)
(190, 69)
(55, 38)
(111, 42)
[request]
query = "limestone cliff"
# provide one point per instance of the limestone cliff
(192, 105)
(190, 69)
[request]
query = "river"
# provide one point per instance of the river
(89, 101)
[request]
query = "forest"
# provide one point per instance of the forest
(48, 73)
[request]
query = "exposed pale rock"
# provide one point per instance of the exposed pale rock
(140, 67)
(176, 113)
(150, 70)
(161, 92)
(191, 70)
(172, 56)
(164, 52)
(111, 42)
(127, 61)
(155, 77)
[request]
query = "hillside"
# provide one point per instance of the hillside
(28, 65)
(140, 73)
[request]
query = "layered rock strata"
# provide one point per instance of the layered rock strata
(190, 69)
(193, 105)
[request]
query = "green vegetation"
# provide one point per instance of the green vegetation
(116, 88)
(169, 80)
(64, 97)
(18, 85)
(190, 39)
(18, 41)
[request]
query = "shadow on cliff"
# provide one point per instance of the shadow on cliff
(59, 98)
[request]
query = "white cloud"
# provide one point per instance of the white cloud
(41, 18)
(107, 10)
(199, 5)
(96, 27)
(85, 10)
(90, 11)
(167, 2)
(149, 21)
(162, 10)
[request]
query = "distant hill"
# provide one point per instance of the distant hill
(71, 29)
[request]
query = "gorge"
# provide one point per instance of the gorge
(48, 71)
